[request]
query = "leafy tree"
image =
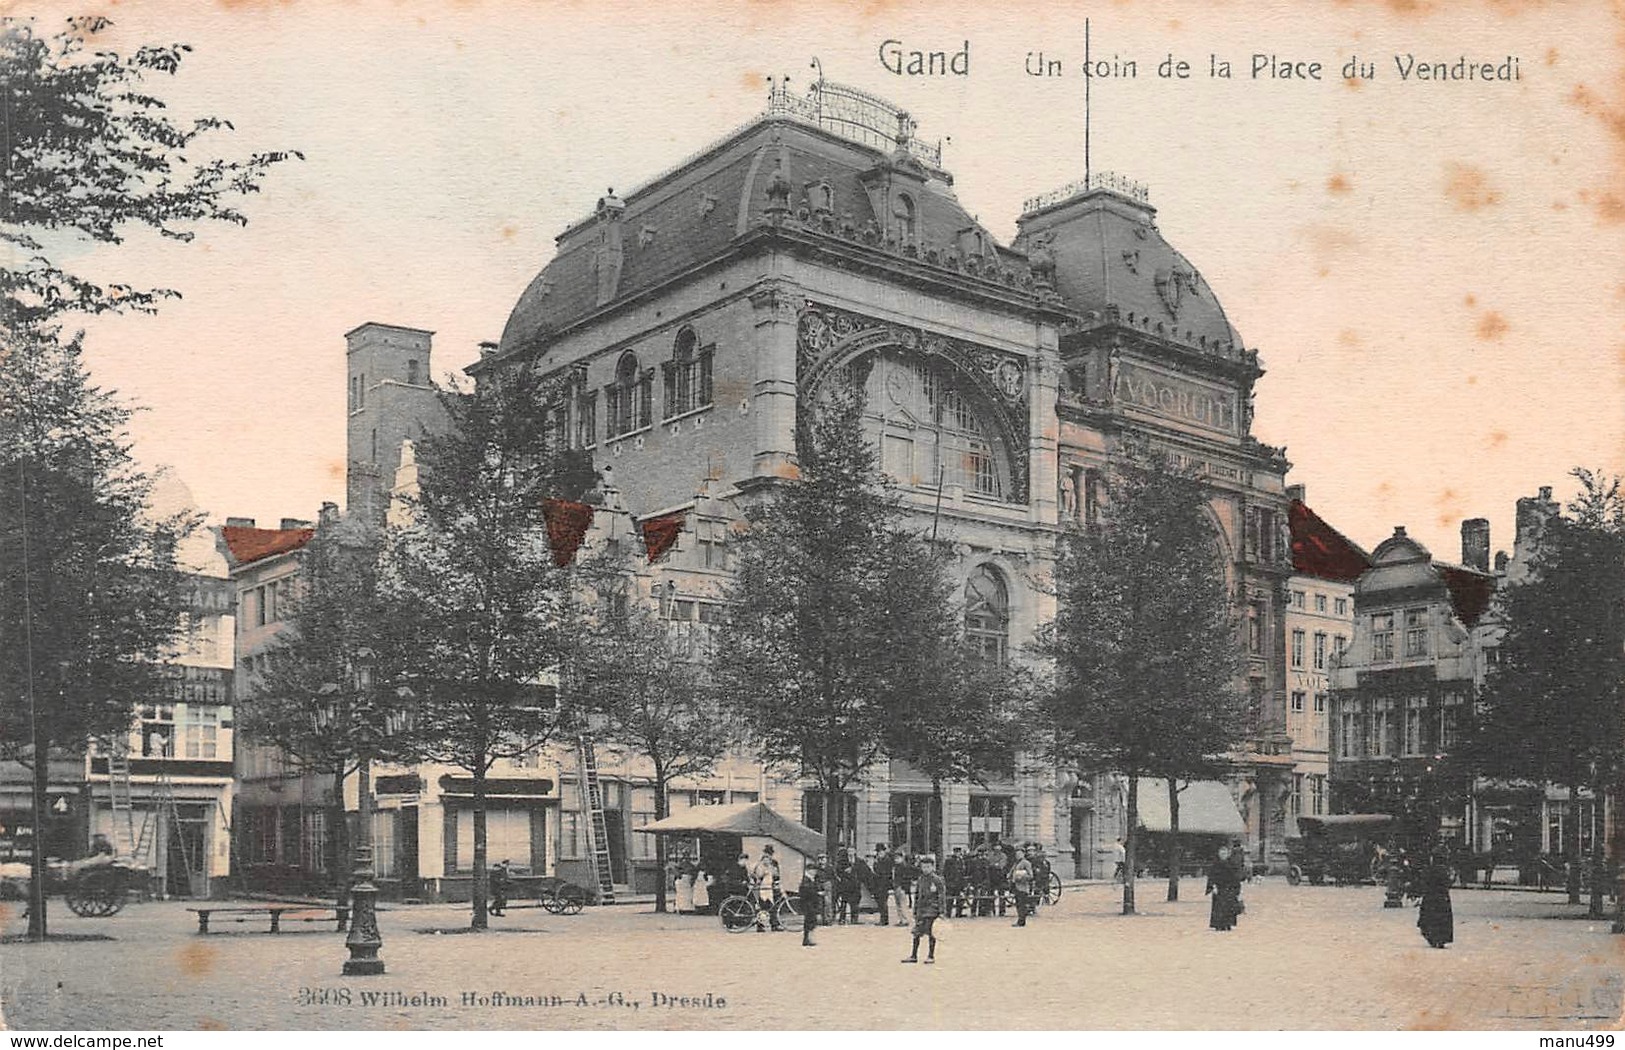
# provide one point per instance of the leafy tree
(651, 693)
(90, 599)
(87, 584)
(311, 704)
(487, 612)
(1550, 711)
(91, 152)
(1145, 649)
(842, 641)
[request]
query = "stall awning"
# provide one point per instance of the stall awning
(753, 819)
(1205, 808)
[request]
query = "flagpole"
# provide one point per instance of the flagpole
(1088, 75)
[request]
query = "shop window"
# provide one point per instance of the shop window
(992, 819)
(916, 823)
(383, 842)
(507, 837)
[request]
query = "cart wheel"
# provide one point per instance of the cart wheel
(1052, 889)
(1294, 875)
(737, 914)
(550, 902)
(572, 899)
(80, 902)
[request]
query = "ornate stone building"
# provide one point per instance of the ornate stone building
(683, 322)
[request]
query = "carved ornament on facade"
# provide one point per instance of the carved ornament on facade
(828, 338)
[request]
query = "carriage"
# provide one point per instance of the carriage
(92, 888)
(1345, 849)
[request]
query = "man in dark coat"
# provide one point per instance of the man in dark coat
(499, 888)
(1225, 886)
(953, 874)
(929, 894)
(1021, 883)
(881, 886)
(981, 884)
(1436, 921)
(808, 894)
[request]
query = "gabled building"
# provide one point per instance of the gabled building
(1319, 624)
(1402, 693)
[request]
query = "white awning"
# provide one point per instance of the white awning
(1205, 808)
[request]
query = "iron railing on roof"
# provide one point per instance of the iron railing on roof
(853, 114)
(1100, 180)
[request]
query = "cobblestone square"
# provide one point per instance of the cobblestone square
(1304, 957)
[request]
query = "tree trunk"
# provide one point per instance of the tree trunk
(1174, 851)
(830, 796)
(1571, 835)
(342, 870)
(37, 926)
(1131, 843)
(479, 921)
(662, 809)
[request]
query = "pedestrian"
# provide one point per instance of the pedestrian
(702, 891)
(848, 890)
(976, 873)
(808, 894)
(998, 870)
(1021, 884)
(903, 874)
(880, 888)
(826, 890)
(863, 877)
(769, 890)
(1041, 874)
(1225, 887)
(687, 870)
(1436, 919)
(1120, 855)
(499, 887)
(929, 894)
(953, 874)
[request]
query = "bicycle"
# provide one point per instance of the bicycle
(741, 911)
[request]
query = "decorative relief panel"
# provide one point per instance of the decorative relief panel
(828, 338)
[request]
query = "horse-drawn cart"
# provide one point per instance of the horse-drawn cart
(93, 888)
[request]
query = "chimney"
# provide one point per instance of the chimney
(1501, 561)
(239, 523)
(487, 348)
(1399, 532)
(1295, 492)
(1533, 514)
(294, 523)
(329, 514)
(1475, 544)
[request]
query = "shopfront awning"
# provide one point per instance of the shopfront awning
(749, 819)
(1205, 808)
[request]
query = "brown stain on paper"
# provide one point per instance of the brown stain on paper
(196, 959)
(1492, 326)
(1468, 188)
(1338, 184)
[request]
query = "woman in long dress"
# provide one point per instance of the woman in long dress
(1225, 886)
(1436, 921)
(685, 884)
(702, 891)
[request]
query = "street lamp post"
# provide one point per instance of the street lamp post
(368, 730)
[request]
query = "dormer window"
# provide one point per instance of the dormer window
(904, 213)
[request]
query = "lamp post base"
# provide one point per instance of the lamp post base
(363, 940)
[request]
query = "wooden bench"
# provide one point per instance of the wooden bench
(247, 912)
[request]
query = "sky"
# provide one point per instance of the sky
(1431, 271)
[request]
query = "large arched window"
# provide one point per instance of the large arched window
(987, 615)
(688, 375)
(930, 431)
(626, 400)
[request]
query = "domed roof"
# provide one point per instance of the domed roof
(1110, 257)
(693, 213)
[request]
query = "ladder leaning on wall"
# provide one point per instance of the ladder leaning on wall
(592, 801)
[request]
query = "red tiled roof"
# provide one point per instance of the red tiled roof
(251, 545)
(1470, 591)
(1320, 550)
